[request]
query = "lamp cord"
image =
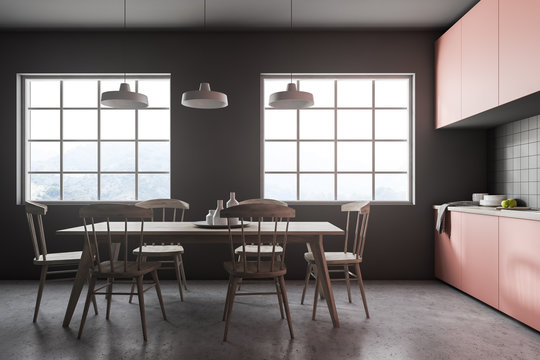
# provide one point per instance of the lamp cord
(204, 28)
(124, 57)
(291, 31)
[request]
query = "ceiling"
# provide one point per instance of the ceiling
(243, 15)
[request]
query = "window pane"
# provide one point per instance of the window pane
(44, 124)
(157, 90)
(322, 90)
(355, 93)
(391, 187)
(354, 156)
(80, 187)
(280, 124)
(354, 187)
(117, 124)
(118, 156)
(391, 156)
(272, 86)
(154, 156)
(354, 124)
(45, 156)
(44, 93)
(280, 156)
(316, 124)
(45, 187)
(80, 124)
(117, 187)
(154, 124)
(80, 93)
(80, 156)
(316, 156)
(391, 124)
(154, 186)
(317, 187)
(392, 93)
(280, 186)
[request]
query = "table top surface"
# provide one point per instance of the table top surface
(188, 228)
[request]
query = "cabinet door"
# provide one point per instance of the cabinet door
(448, 77)
(519, 270)
(448, 251)
(479, 252)
(519, 49)
(480, 59)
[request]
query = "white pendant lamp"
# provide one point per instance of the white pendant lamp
(204, 98)
(124, 98)
(291, 98)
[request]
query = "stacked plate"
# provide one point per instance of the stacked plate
(492, 200)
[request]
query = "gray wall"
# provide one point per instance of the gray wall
(513, 161)
(450, 165)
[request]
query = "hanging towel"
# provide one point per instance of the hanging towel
(440, 225)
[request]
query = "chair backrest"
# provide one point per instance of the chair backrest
(361, 208)
(36, 211)
(164, 204)
(257, 211)
(98, 212)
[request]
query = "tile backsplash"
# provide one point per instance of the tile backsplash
(513, 160)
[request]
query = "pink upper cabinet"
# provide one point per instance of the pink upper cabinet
(519, 48)
(479, 56)
(448, 77)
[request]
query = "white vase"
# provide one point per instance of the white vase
(210, 217)
(233, 202)
(216, 219)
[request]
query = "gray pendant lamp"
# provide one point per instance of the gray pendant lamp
(124, 98)
(291, 98)
(204, 98)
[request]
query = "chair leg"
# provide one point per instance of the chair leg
(140, 293)
(109, 296)
(178, 276)
(42, 278)
(306, 282)
(279, 295)
(229, 285)
(132, 290)
(230, 306)
(361, 285)
(182, 271)
(286, 303)
(158, 291)
(91, 286)
(348, 281)
(315, 299)
(95, 304)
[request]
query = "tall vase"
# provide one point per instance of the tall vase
(217, 220)
(233, 202)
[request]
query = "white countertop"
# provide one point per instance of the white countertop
(533, 214)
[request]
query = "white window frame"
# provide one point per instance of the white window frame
(308, 76)
(22, 152)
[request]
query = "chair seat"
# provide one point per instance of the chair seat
(251, 270)
(63, 258)
(334, 258)
(132, 269)
(252, 249)
(158, 250)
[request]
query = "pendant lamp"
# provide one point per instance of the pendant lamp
(204, 98)
(291, 98)
(124, 98)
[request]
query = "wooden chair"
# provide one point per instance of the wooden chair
(261, 267)
(173, 251)
(112, 269)
(69, 261)
(344, 260)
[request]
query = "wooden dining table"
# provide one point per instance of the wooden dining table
(309, 232)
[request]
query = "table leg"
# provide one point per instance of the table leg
(78, 283)
(324, 277)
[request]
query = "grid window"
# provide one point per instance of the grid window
(355, 143)
(75, 150)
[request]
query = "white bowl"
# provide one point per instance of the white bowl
(497, 198)
(490, 203)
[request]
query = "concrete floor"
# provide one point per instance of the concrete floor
(409, 320)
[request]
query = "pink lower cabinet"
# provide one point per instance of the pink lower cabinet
(519, 270)
(448, 251)
(479, 257)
